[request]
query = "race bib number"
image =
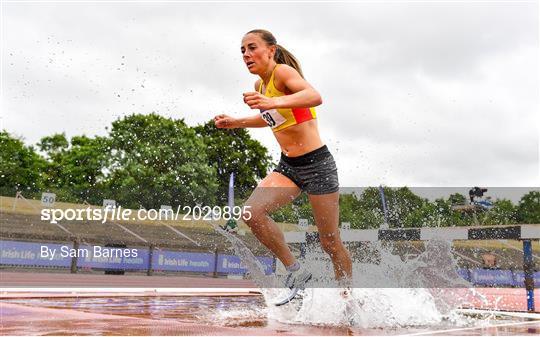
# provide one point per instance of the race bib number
(273, 118)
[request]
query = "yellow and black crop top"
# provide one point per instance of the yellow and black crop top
(279, 119)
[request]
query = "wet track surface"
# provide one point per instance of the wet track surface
(203, 315)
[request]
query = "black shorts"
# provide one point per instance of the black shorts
(314, 172)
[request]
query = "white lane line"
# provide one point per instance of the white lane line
(504, 243)
(180, 233)
(63, 228)
(467, 258)
(433, 332)
(499, 313)
(134, 290)
(132, 233)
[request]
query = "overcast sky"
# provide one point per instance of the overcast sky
(417, 94)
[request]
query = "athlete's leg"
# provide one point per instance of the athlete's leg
(273, 192)
(326, 214)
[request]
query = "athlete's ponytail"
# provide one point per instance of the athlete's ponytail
(282, 55)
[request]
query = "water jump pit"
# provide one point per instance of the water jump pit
(244, 312)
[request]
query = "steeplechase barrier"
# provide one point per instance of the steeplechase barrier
(524, 233)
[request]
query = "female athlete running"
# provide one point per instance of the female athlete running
(286, 102)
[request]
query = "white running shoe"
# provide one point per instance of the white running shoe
(298, 279)
(295, 281)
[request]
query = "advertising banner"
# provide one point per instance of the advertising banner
(180, 261)
(232, 264)
(35, 254)
(113, 258)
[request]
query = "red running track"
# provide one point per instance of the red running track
(507, 299)
(20, 316)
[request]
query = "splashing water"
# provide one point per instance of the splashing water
(255, 269)
(387, 292)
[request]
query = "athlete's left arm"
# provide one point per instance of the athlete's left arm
(303, 95)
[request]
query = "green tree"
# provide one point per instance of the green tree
(234, 151)
(367, 218)
(75, 170)
(457, 199)
(439, 213)
(426, 215)
(287, 213)
(158, 160)
(20, 167)
(54, 145)
(353, 210)
(400, 203)
(528, 209)
(368, 211)
(54, 148)
(300, 208)
(502, 213)
(348, 209)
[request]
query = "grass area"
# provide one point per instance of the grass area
(495, 244)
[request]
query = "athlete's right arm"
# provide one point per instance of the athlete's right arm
(228, 122)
